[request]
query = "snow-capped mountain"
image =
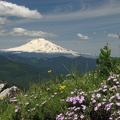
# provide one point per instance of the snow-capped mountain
(42, 46)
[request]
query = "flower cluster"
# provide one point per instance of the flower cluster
(105, 101)
(62, 87)
(107, 98)
(77, 106)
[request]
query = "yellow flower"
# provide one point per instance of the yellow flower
(62, 87)
(49, 71)
(68, 75)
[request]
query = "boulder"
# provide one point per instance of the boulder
(9, 92)
(3, 86)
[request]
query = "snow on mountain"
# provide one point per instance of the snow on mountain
(41, 45)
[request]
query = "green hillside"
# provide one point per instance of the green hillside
(92, 96)
(19, 74)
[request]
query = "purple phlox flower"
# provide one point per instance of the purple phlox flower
(72, 92)
(104, 90)
(74, 100)
(104, 86)
(70, 114)
(103, 103)
(78, 108)
(110, 118)
(113, 88)
(73, 108)
(99, 104)
(104, 99)
(48, 88)
(110, 77)
(117, 83)
(111, 98)
(16, 109)
(75, 117)
(94, 101)
(99, 89)
(81, 116)
(14, 100)
(83, 107)
(108, 106)
(118, 104)
(114, 80)
(93, 95)
(82, 98)
(69, 99)
(32, 109)
(27, 103)
(96, 108)
(60, 117)
(98, 95)
(118, 96)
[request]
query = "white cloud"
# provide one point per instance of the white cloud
(113, 35)
(24, 32)
(10, 9)
(3, 33)
(108, 9)
(83, 36)
(3, 20)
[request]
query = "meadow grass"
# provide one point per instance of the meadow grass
(94, 95)
(86, 97)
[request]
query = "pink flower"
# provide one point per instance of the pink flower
(118, 104)
(82, 116)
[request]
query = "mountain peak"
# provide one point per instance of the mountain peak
(41, 45)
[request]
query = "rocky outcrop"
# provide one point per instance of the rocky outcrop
(8, 92)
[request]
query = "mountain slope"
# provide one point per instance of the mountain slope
(19, 74)
(41, 46)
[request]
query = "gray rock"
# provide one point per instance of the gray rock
(2, 86)
(9, 92)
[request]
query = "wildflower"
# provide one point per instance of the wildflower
(48, 88)
(72, 92)
(118, 104)
(94, 101)
(117, 83)
(83, 107)
(96, 108)
(108, 106)
(75, 117)
(49, 71)
(105, 86)
(99, 104)
(118, 96)
(98, 95)
(32, 109)
(62, 87)
(25, 95)
(81, 99)
(27, 103)
(82, 116)
(104, 90)
(110, 77)
(111, 98)
(60, 117)
(16, 110)
(68, 75)
(114, 80)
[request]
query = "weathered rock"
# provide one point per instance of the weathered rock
(9, 92)
(2, 86)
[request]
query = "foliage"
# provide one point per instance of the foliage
(105, 63)
(90, 96)
(86, 97)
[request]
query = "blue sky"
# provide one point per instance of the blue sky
(81, 25)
